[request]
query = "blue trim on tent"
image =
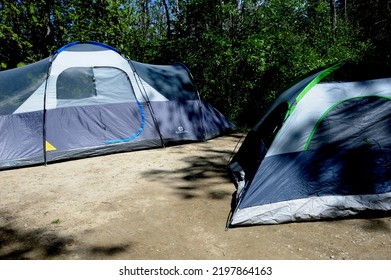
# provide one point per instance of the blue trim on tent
(137, 133)
(88, 42)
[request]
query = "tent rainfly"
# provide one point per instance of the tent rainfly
(87, 100)
(321, 151)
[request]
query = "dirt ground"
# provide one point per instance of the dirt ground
(169, 203)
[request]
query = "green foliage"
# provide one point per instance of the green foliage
(241, 53)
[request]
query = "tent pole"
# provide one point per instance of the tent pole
(44, 113)
(145, 95)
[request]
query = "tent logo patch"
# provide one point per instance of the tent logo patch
(180, 130)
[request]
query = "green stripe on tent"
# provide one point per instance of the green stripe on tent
(317, 79)
(313, 83)
(329, 110)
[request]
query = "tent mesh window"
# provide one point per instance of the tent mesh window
(76, 83)
(24, 82)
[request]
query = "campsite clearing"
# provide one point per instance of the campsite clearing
(169, 203)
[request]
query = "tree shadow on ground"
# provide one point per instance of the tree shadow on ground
(31, 244)
(43, 243)
(201, 174)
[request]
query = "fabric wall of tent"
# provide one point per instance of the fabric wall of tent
(87, 99)
(321, 151)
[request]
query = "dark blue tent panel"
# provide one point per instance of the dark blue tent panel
(21, 138)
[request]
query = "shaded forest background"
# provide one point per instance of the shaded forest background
(240, 52)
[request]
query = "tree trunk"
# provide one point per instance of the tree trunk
(333, 16)
(168, 19)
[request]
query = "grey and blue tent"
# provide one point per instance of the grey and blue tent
(321, 151)
(87, 100)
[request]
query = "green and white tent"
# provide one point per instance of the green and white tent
(322, 150)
